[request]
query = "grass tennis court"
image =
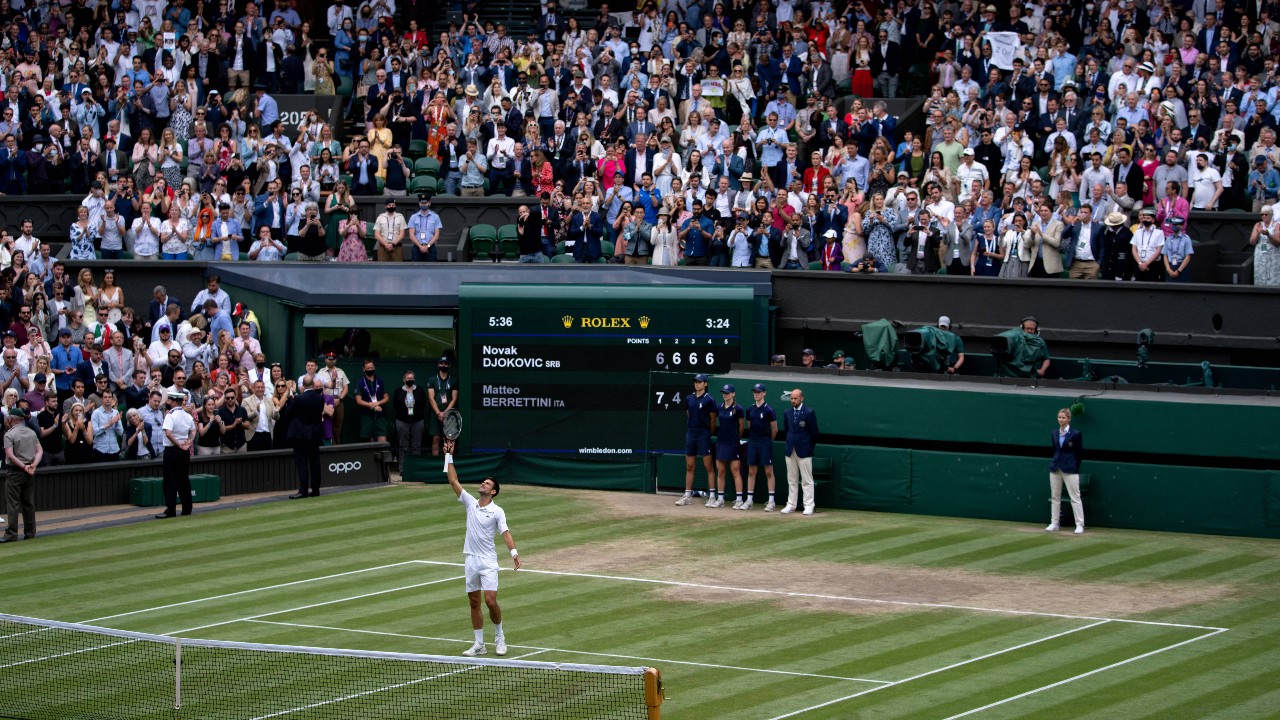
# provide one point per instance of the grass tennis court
(748, 615)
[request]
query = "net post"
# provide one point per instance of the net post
(177, 674)
(653, 692)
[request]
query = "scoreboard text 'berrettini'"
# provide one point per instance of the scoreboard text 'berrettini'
(564, 370)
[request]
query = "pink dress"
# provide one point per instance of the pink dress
(352, 248)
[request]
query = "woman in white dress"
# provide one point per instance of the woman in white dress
(666, 246)
(665, 165)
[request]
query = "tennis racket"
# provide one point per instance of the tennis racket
(452, 424)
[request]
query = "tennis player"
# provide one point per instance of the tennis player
(484, 520)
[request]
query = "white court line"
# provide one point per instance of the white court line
(655, 661)
(1084, 675)
(938, 670)
(243, 619)
(315, 605)
(846, 598)
(365, 693)
(245, 592)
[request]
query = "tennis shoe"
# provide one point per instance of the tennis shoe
(502, 647)
(684, 500)
(746, 504)
(788, 509)
(476, 649)
(807, 511)
(737, 504)
(719, 503)
(770, 506)
(711, 501)
(1053, 527)
(1079, 530)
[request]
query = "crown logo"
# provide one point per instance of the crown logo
(568, 321)
(644, 321)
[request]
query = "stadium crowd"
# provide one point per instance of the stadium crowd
(690, 132)
(90, 375)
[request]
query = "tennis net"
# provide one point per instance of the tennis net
(67, 671)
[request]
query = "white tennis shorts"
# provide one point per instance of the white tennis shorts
(482, 573)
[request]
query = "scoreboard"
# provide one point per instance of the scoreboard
(565, 369)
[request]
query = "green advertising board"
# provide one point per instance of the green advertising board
(565, 370)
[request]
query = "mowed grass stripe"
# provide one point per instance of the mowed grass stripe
(923, 545)
(1135, 567)
(978, 683)
(991, 554)
(1143, 688)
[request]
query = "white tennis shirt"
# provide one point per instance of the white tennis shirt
(483, 523)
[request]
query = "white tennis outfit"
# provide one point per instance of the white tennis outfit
(480, 557)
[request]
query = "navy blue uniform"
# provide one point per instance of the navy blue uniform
(700, 408)
(728, 434)
(760, 419)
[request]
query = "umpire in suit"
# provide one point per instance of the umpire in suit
(801, 426)
(1064, 469)
(303, 417)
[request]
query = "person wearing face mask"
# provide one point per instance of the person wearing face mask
(371, 397)
(412, 409)
(443, 397)
(1147, 246)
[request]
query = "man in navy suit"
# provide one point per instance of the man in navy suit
(160, 301)
(304, 415)
(832, 216)
(1068, 450)
(633, 174)
(585, 231)
(800, 424)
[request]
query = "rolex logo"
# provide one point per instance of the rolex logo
(644, 321)
(568, 321)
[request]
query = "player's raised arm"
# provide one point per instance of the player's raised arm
(448, 468)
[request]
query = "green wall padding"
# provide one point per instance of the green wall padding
(529, 470)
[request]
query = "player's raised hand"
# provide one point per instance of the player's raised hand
(448, 446)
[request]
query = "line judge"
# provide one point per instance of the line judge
(801, 426)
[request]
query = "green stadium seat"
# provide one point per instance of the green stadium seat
(562, 259)
(417, 149)
(422, 184)
(815, 265)
(507, 232)
(561, 248)
(483, 230)
(426, 166)
(291, 257)
(482, 238)
(345, 86)
(244, 257)
(381, 184)
(606, 249)
(510, 248)
(482, 248)
(349, 180)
